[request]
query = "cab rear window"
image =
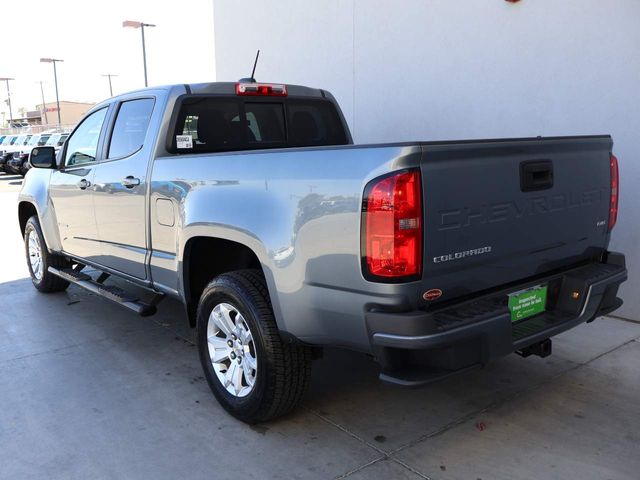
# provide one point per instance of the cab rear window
(218, 124)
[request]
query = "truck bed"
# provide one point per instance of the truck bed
(301, 209)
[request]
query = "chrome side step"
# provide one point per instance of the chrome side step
(110, 292)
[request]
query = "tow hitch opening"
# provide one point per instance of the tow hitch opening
(541, 349)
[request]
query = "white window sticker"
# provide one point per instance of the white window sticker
(184, 141)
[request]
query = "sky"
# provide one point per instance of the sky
(89, 37)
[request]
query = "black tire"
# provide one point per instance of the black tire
(284, 369)
(48, 282)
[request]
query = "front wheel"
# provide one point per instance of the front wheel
(39, 260)
(252, 372)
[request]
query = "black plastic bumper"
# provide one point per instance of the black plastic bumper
(419, 347)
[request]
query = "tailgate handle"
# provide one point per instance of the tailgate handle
(536, 175)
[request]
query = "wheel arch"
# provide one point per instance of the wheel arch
(200, 265)
(26, 210)
(34, 200)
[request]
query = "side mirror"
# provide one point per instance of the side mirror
(43, 157)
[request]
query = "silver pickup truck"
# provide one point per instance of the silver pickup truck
(249, 204)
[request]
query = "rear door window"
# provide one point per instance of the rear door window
(130, 127)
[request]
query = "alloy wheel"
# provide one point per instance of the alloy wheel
(35, 255)
(232, 350)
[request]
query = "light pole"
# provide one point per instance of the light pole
(55, 78)
(44, 105)
(140, 25)
(109, 75)
(8, 98)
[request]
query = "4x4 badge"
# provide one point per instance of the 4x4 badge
(432, 294)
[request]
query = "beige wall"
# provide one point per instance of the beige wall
(70, 112)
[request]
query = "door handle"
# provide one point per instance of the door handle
(131, 181)
(84, 184)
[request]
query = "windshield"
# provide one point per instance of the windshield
(53, 139)
(7, 140)
(33, 140)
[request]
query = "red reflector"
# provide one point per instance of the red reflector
(392, 223)
(615, 193)
(264, 89)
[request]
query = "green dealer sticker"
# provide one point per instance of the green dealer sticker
(527, 303)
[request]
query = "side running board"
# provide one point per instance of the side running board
(110, 292)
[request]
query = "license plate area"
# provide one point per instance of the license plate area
(527, 303)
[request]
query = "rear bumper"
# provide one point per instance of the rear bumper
(419, 347)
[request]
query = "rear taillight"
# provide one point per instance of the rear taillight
(615, 193)
(392, 227)
(262, 89)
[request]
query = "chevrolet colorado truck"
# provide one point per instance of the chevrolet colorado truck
(249, 204)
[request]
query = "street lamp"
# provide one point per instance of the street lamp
(5, 79)
(109, 75)
(44, 105)
(55, 78)
(140, 25)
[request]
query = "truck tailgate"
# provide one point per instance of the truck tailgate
(497, 212)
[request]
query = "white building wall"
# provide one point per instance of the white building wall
(455, 69)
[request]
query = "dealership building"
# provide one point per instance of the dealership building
(441, 69)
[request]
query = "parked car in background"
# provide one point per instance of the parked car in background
(40, 140)
(12, 165)
(20, 142)
(16, 143)
(55, 140)
(21, 156)
(6, 143)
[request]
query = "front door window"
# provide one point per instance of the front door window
(82, 146)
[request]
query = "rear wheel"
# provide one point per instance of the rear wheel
(39, 260)
(253, 374)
